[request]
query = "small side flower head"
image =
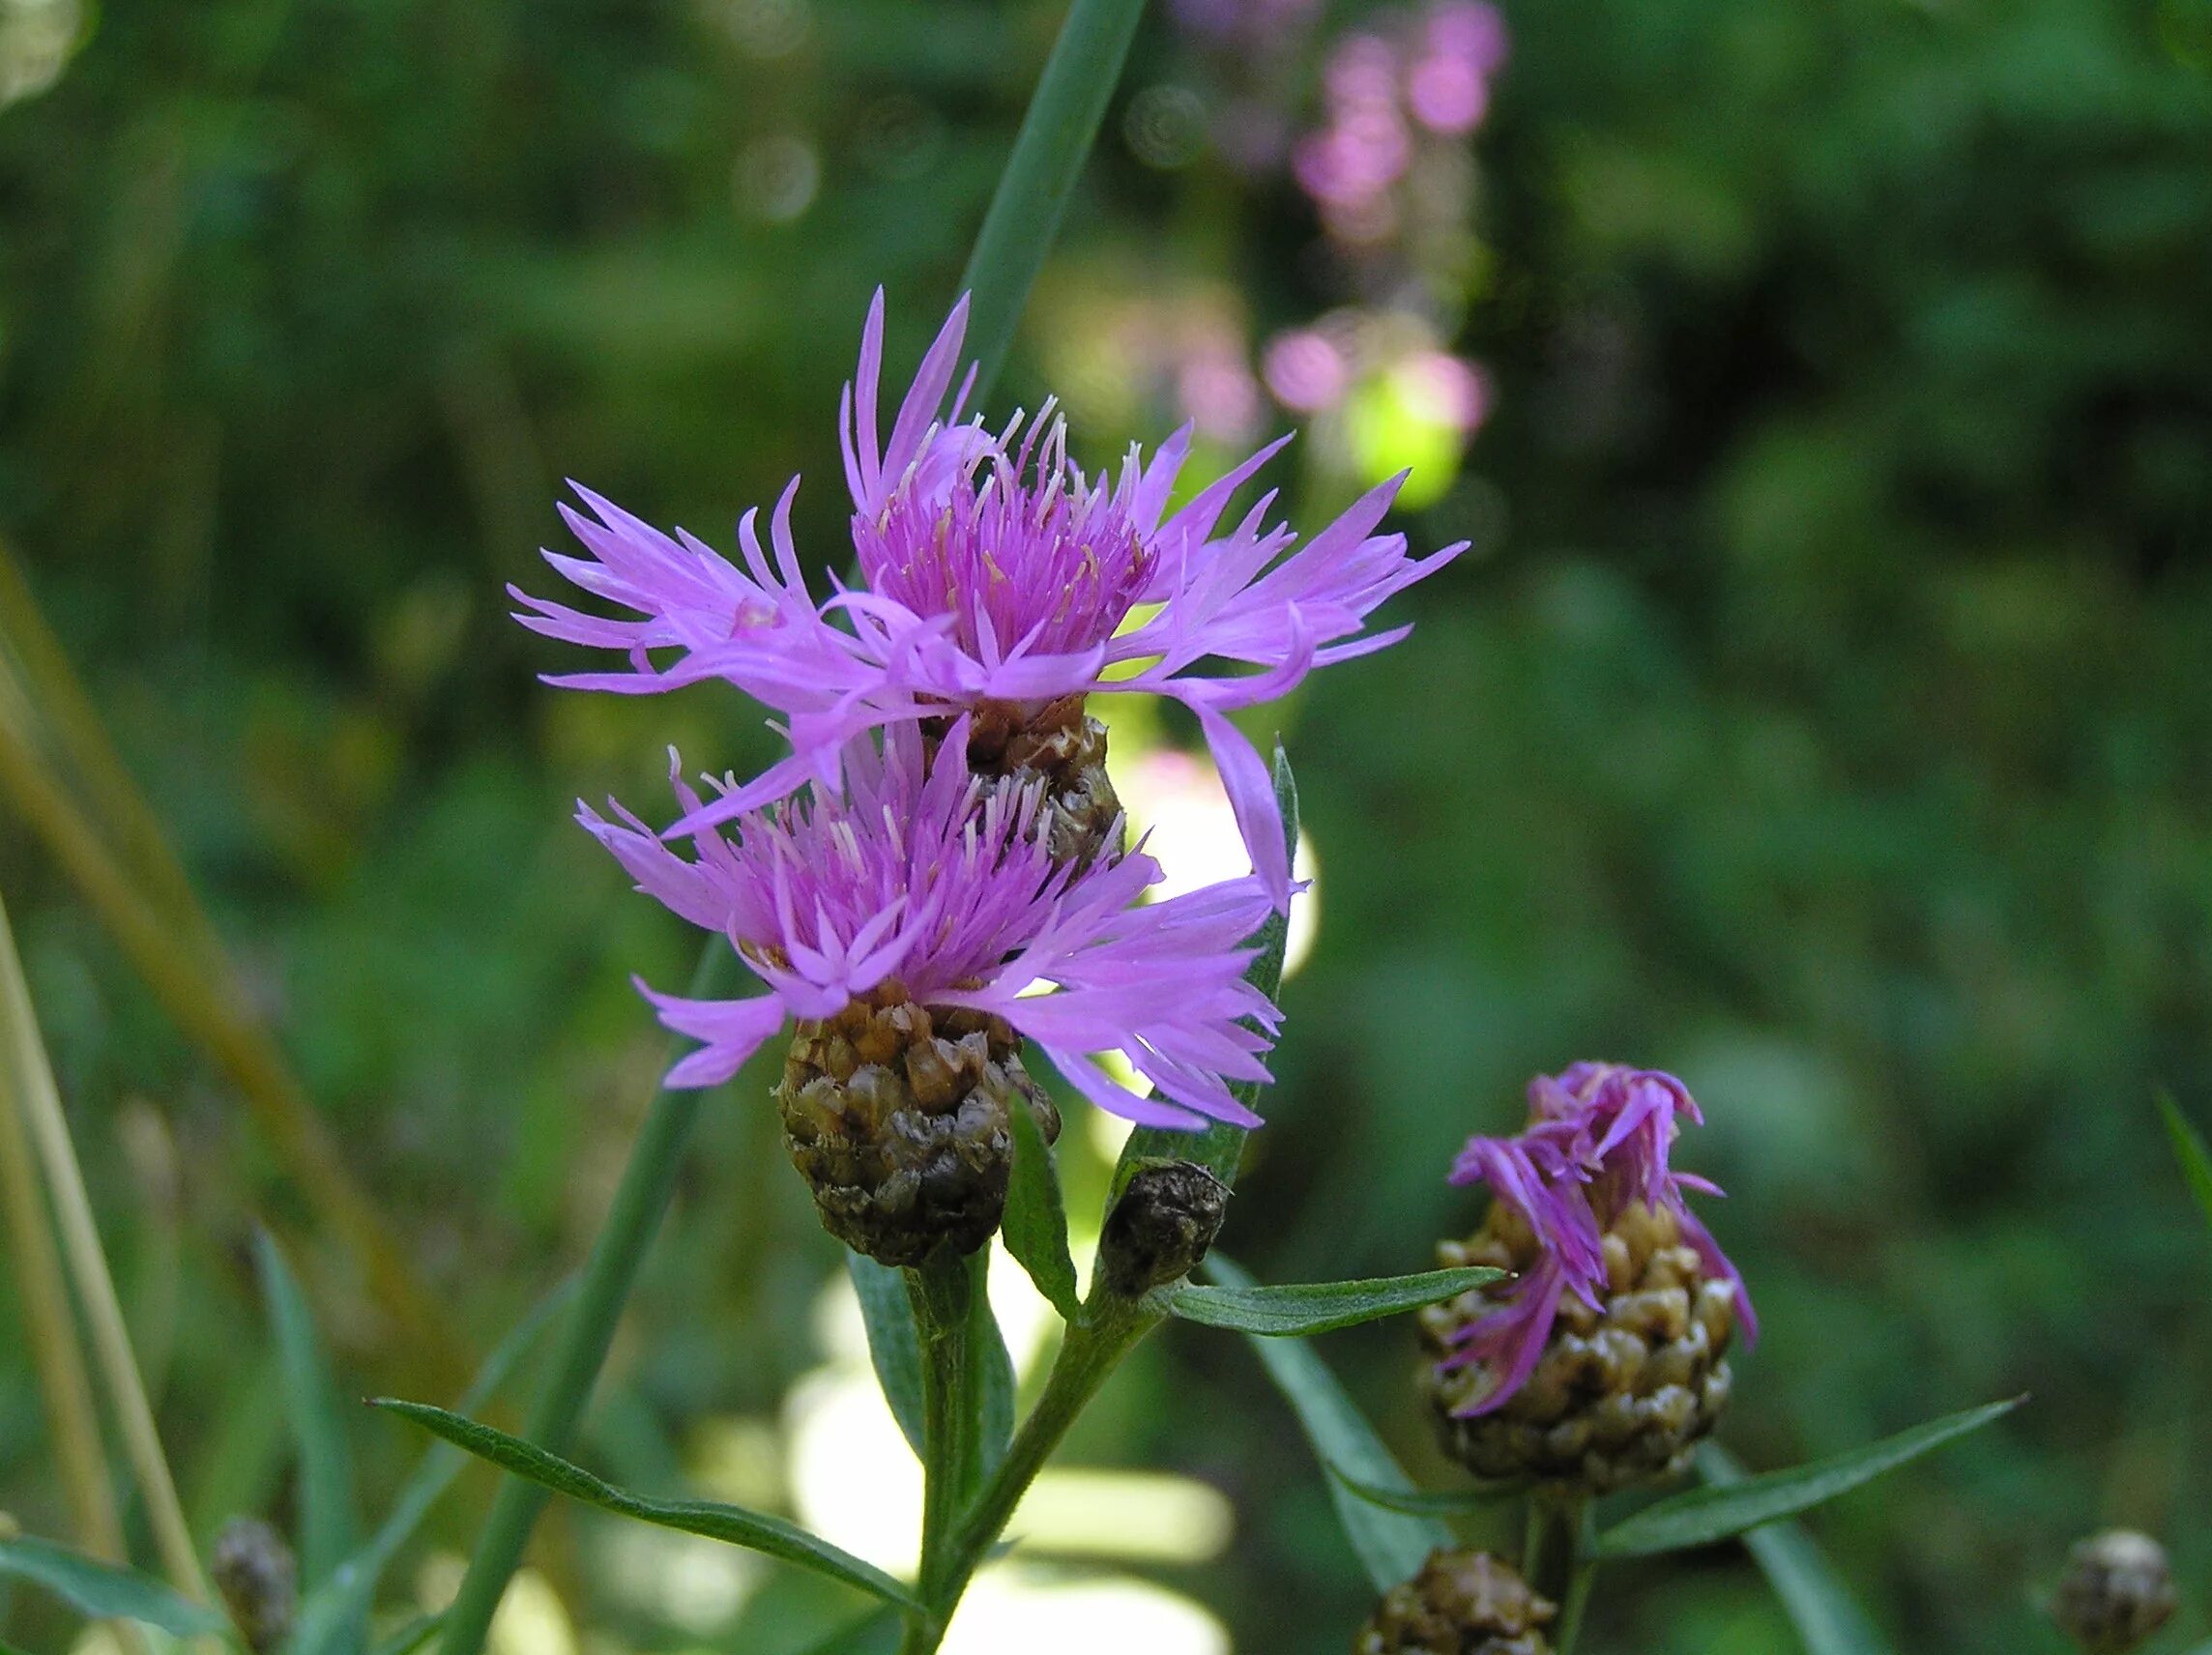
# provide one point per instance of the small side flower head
(2117, 1593)
(255, 1573)
(1600, 1361)
(1462, 1603)
(916, 928)
(1000, 580)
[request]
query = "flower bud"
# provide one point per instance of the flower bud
(1167, 1218)
(898, 1118)
(254, 1572)
(1621, 1393)
(2117, 1593)
(1462, 1603)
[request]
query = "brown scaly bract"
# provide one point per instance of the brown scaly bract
(898, 1118)
(1462, 1603)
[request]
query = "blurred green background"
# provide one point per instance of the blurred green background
(1822, 710)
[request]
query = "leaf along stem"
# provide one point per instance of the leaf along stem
(648, 1183)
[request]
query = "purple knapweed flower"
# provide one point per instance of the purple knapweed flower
(920, 873)
(992, 571)
(1597, 1141)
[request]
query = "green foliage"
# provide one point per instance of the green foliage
(1035, 1227)
(892, 1345)
(1391, 1544)
(328, 1527)
(2189, 1149)
(1423, 1502)
(1827, 1618)
(1320, 1307)
(104, 1592)
(1721, 1511)
(732, 1524)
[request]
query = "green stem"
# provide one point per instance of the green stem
(1056, 137)
(1090, 1353)
(1555, 1561)
(647, 1182)
(941, 1290)
(1570, 1622)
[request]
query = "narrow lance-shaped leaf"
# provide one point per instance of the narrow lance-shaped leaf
(1422, 1502)
(1702, 1515)
(104, 1592)
(734, 1524)
(1322, 1307)
(990, 1371)
(328, 1525)
(414, 1635)
(1827, 1618)
(2190, 1150)
(329, 1616)
(1036, 1225)
(893, 1346)
(1219, 1148)
(1391, 1544)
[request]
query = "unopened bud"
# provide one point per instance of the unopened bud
(1158, 1232)
(1462, 1603)
(259, 1582)
(2117, 1591)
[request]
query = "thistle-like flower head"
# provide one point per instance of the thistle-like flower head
(917, 873)
(1599, 1141)
(994, 570)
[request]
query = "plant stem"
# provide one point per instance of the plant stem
(71, 1411)
(1556, 1561)
(1089, 1353)
(1049, 152)
(31, 1083)
(941, 1291)
(647, 1182)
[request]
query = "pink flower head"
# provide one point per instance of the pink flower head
(992, 569)
(1597, 1142)
(921, 871)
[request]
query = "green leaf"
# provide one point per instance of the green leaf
(1036, 1225)
(991, 1370)
(328, 1527)
(104, 1592)
(1219, 1148)
(330, 1619)
(1293, 1312)
(2189, 1149)
(876, 1633)
(1702, 1515)
(893, 1346)
(1391, 1544)
(1420, 1502)
(1827, 1618)
(414, 1636)
(734, 1524)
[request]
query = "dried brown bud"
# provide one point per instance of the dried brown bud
(1167, 1218)
(254, 1572)
(1462, 1603)
(2117, 1591)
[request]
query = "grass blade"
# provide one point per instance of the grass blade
(328, 1526)
(893, 1346)
(1391, 1545)
(330, 1618)
(732, 1524)
(412, 1635)
(1320, 1307)
(2190, 1150)
(104, 1592)
(1828, 1619)
(1036, 1225)
(1702, 1515)
(1422, 1502)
